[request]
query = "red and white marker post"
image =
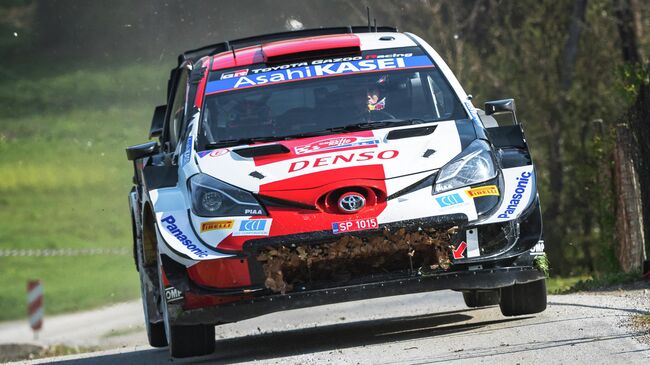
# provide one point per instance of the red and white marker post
(35, 305)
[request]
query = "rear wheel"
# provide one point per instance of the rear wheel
(521, 299)
(475, 298)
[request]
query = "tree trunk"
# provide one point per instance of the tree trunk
(638, 117)
(629, 218)
(554, 234)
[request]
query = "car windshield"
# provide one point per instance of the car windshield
(263, 103)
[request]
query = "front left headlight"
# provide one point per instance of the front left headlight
(474, 165)
(214, 198)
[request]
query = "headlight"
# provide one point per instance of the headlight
(474, 165)
(214, 198)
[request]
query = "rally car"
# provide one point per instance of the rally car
(318, 166)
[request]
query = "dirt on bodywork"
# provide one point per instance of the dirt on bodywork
(350, 257)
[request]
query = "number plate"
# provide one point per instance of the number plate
(355, 225)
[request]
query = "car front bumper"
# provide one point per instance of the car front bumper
(511, 263)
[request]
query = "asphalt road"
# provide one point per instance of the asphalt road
(588, 328)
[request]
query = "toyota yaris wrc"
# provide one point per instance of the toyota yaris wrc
(319, 166)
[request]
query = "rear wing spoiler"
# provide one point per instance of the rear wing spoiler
(196, 54)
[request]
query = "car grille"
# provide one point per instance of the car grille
(348, 258)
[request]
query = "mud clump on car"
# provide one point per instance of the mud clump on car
(352, 257)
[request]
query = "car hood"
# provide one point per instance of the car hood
(318, 161)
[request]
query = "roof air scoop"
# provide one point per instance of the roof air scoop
(312, 48)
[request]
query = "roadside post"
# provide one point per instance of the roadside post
(35, 305)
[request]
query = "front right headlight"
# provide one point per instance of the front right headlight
(474, 165)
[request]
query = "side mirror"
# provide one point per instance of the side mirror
(157, 121)
(141, 150)
(502, 106)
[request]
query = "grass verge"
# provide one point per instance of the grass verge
(566, 285)
(69, 283)
(64, 183)
(17, 352)
(560, 285)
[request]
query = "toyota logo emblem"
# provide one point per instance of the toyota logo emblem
(351, 202)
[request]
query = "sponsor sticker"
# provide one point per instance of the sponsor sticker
(449, 200)
(335, 143)
(173, 294)
(301, 71)
(523, 181)
(214, 225)
(169, 222)
(483, 191)
(342, 158)
(214, 153)
(253, 227)
(355, 225)
(238, 73)
(188, 151)
(538, 249)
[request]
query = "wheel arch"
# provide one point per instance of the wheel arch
(149, 238)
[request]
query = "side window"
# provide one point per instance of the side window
(444, 102)
(177, 111)
(438, 99)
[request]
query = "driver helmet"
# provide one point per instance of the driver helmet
(376, 100)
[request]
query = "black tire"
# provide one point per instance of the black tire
(475, 298)
(156, 334)
(150, 293)
(189, 341)
(523, 298)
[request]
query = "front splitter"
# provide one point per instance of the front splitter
(459, 280)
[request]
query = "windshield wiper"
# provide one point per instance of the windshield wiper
(352, 127)
(310, 134)
(384, 124)
(240, 141)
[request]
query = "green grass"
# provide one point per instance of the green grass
(559, 285)
(18, 352)
(64, 181)
(541, 262)
(124, 331)
(69, 283)
(81, 89)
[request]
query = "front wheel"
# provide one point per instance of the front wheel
(521, 299)
(196, 340)
(475, 298)
(185, 341)
(156, 334)
(151, 301)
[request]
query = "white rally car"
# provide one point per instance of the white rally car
(327, 165)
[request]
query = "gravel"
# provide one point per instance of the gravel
(579, 328)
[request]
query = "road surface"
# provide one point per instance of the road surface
(584, 328)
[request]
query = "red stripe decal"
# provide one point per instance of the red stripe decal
(198, 101)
